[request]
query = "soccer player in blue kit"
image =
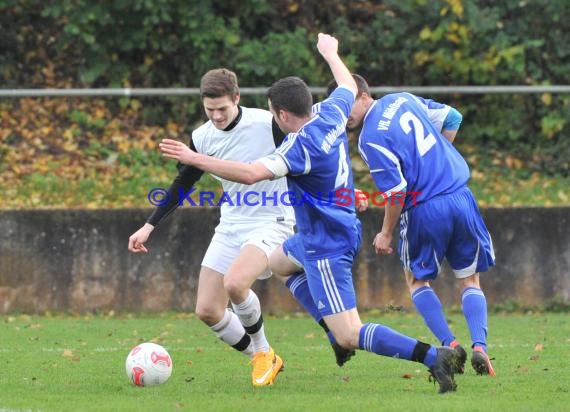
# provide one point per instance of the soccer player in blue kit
(315, 158)
(406, 141)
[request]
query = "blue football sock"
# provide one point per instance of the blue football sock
(299, 287)
(385, 341)
(429, 306)
(475, 312)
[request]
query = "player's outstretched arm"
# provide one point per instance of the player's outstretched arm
(247, 173)
(328, 47)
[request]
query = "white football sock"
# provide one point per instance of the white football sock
(249, 313)
(231, 331)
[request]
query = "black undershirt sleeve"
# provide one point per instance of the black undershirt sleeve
(278, 135)
(187, 176)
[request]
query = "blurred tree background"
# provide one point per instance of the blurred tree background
(102, 152)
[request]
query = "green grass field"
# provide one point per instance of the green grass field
(76, 363)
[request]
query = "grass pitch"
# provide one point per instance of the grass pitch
(76, 363)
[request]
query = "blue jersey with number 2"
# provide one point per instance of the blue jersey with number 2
(405, 151)
(320, 176)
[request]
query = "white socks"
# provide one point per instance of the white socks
(249, 313)
(231, 331)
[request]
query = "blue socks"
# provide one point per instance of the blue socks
(429, 306)
(385, 341)
(474, 307)
(475, 311)
(375, 338)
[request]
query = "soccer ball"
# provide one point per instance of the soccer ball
(148, 364)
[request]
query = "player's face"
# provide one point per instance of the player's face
(221, 110)
(357, 113)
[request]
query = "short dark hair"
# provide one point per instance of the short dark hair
(291, 94)
(361, 84)
(219, 83)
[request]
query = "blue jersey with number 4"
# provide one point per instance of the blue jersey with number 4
(405, 150)
(320, 177)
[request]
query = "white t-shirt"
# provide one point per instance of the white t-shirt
(249, 140)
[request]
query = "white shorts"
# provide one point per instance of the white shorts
(229, 239)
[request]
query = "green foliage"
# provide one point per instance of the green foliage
(142, 43)
(169, 43)
(292, 53)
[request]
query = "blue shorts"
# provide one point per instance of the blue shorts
(329, 279)
(445, 227)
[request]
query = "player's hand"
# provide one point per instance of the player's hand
(138, 239)
(361, 199)
(176, 150)
(327, 44)
(382, 242)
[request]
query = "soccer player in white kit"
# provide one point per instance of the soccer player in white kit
(315, 159)
(249, 229)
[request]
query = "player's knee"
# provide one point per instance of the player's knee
(207, 314)
(470, 282)
(414, 284)
(236, 288)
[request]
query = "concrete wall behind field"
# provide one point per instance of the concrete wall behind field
(74, 260)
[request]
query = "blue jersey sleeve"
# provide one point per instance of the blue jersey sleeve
(441, 116)
(453, 120)
(343, 99)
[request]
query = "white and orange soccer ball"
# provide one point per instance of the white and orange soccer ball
(148, 364)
